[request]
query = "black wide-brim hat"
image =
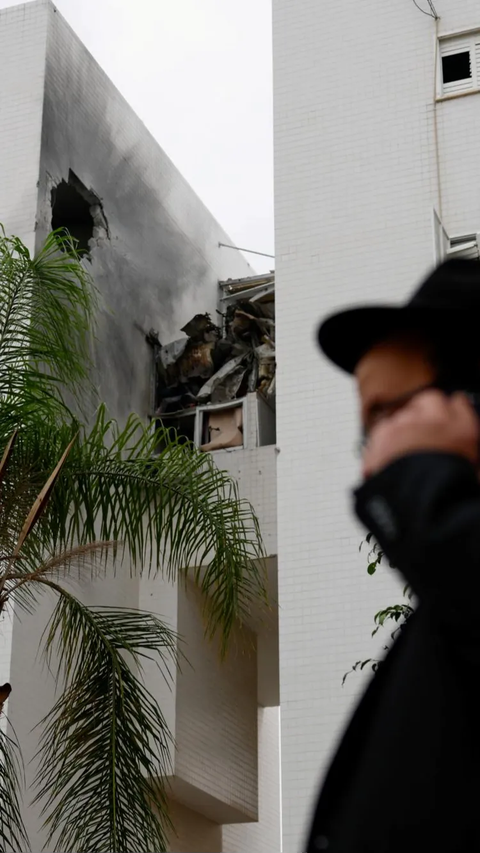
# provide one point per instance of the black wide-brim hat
(446, 303)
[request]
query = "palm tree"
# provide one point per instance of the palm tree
(75, 497)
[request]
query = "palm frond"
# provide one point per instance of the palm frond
(174, 510)
(6, 455)
(105, 747)
(41, 501)
(20, 579)
(47, 306)
(21, 557)
(13, 835)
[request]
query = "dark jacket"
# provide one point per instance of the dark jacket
(406, 776)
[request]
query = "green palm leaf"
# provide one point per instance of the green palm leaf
(105, 748)
(175, 511)
(13, 835)
(47, 304)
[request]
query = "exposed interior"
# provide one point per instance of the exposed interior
(79, 211)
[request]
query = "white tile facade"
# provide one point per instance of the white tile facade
(23, 36)
(22, 72)
(216, 723)
(264, 835)
(356, 182)
(193, 832)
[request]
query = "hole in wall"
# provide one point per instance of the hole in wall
(79, 211)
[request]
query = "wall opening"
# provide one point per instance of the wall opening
(456, 66)
(180, 426)
(79, 211)
(220, 427)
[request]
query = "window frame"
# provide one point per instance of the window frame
(466, 245)
(449, 45)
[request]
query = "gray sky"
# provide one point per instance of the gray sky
(198, 73)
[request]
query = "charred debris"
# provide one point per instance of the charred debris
(203, 378)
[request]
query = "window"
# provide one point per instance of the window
(465, 246)
(459, 67)
(460, 246)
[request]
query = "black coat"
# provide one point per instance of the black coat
(406, 776)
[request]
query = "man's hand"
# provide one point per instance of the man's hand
(431, 421)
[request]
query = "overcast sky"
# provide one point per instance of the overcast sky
(198, 73)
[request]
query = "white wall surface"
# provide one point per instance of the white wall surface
(216, 729)
(23, 34)
(193, 831)
(5, 655)
(356, 182)
(22, 73)
(265, 835)
(255, 470)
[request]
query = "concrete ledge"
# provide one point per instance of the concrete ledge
(205, 804)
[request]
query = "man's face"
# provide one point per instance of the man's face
(388, 375)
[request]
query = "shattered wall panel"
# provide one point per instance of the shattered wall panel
(214, 365)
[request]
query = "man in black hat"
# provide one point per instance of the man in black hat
(406, 777)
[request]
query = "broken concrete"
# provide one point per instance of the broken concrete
(213, 365)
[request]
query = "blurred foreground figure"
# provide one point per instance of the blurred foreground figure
(406, 776)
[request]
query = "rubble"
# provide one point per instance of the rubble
(217, 389)
(216, 364)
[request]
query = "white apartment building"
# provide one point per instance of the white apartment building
(74, 154)
(377, 122)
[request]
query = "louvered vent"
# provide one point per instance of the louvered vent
(459, 70)
(461, 246)
(464, 247)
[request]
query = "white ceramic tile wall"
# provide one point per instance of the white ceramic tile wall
(356, 182)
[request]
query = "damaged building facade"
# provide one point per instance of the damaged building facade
(186, 337)
(206, 380)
